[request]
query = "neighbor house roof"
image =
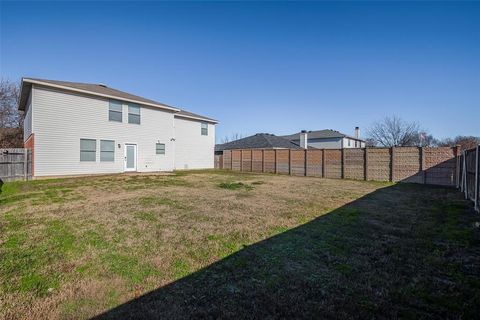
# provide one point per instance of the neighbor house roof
(258, 141)
(320, 134)
(101, 90)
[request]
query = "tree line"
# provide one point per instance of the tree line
(395, 132)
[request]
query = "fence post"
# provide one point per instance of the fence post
(275, 154)
(25, 164)
(422, 165)
(343, 164)
(477, 151)
(306, 155)
(251, 160)
(457, 166)
(263, 160)
(241, 160)
(323, 163)
(290, 161)
(392, 163)
(461, 171)
(366, 164)
(465, 184)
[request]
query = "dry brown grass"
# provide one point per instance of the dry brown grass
(74, 248)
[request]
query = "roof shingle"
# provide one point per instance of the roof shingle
(258, 141)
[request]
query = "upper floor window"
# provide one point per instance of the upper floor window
(160, 148)
(107, 150)
(115, 111)
(204, 129)
(88, 150)
(349, 142)
(133, 113)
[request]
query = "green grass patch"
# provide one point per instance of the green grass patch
(129, 267)
(235, 186)
(152, 201)
(146, 216)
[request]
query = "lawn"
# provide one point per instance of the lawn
(216, 244)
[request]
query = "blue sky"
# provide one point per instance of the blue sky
(263, 67)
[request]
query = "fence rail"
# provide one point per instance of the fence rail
(470, 175)
(15, 164)
(409, 164)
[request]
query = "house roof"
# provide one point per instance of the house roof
(102, 91)
(320, 134)
(258, 141)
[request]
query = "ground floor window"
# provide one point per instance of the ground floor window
(88, 150)
(107, 150)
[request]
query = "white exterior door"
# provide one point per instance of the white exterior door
(130, 157)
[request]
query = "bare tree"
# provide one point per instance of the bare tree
(11, 120)
(393, 131)
(233, 137)
(465, 142)
(10, 116)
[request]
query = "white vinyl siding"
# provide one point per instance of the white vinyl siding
(192, 150)
(61, 119)
(88, 150)
(133, 113)
(115, 111)
(27, 120)
(107, 150)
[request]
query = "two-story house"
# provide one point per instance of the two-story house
(327, 139)
(79, 128)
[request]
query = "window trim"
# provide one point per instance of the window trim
(113, 151)
(156, 148)
(135, 114)
(202, 128)
(115, 111)
(84, 150)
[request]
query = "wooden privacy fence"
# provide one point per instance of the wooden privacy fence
(409, 164)
(15, 164)
(218, 161)
(469, 174)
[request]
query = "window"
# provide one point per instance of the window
(133, 113)
(204, 129)
(88, 150)
(356, 143)
(160, 148)
(107, 150)
(349, 142)
(115, 111)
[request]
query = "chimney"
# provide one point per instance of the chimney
(303, 139)
(357, 132)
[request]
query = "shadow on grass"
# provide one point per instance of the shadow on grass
(406, 251)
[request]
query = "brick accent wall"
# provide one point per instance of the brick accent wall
(30, 144)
